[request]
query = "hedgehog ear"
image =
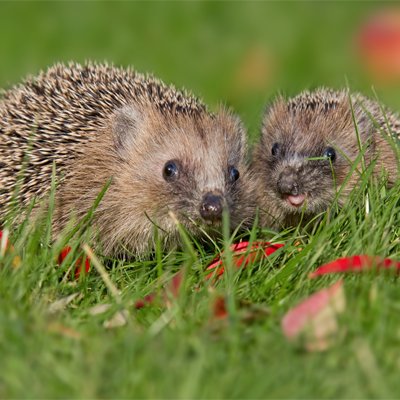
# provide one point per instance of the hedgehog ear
(126, 123)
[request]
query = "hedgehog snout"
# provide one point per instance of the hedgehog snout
(288, 182)
(211, 207)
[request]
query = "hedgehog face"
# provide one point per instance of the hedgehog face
(185, 168)
(299, 180)
(304, 156)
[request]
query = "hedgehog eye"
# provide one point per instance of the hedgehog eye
(233, 174)
(275, 149)
(170, 171)
(330, 153)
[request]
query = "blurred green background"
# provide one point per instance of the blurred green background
(236, 53)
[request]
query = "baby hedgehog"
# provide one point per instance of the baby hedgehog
(167, 157)
(308, 147)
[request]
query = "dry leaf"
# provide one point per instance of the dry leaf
(120, 318)
(56, 327)
(99, 309)
(60, 304)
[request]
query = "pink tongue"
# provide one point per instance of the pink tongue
(296, 200)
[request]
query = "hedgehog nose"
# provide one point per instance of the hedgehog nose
(287, 184)
(211, 207)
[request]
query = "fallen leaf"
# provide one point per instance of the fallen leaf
(147, 300)
(120, 318)
(243, 254)
(247, 311)
(56, 327)
(99, 309)
(170, 291)
(78, 264)
(16, 262)
(219, 308)
(60, 304)
(354, 264)
(314, 320)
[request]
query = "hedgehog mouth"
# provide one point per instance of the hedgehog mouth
(295, 204)
(295, 201)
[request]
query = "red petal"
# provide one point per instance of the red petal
(355, 263)
(87, 264)
(298, 318)
(79, 265)
(145, 301)
(219, 308)
(176, 283)
(64, 253)
(171, 290)
(242, 256)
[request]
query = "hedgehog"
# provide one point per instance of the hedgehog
(166, 157)
(312, 150)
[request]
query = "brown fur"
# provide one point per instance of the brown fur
(304, 127)
(98, 122)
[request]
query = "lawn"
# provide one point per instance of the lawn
(239, 54)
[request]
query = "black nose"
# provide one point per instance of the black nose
(211, 207)
(288, 184)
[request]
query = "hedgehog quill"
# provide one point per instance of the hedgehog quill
(309, 145)
(163, 150)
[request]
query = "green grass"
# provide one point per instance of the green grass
(180, 351)
(176, 348)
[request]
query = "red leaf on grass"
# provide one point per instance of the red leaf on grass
(171, 290)
(175, 284)
(78, 264)
(145, 301)
(314, 319)
(219, 308)
(243, 254)
(355, 263)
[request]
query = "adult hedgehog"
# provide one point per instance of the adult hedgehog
(163, 151)
(309, 147)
